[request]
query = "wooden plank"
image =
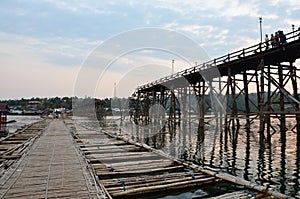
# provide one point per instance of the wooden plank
(152, 182)
(134, 168)
(165, 187)
(121, 154)
(108, 143)
(109, 147)
(142, 162)
(138, 179)
(10, 157)
(147, 156)
(11, 142)
(4, 147)
(103, 175)
(116, 150)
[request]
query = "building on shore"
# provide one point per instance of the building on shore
(3, 113)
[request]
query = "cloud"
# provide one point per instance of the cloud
(211, 9)
(28, 75)
(197, 29)
(76, 6)
(60, 50)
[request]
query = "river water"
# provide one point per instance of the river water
(21, 120)
(237, 151)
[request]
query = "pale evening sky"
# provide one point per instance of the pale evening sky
(44, 43)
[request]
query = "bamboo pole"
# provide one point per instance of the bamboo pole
(151, 178)
(147, 184)
(139, 172)
(167, 187)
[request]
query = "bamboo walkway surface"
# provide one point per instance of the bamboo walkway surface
(131, 170)
(52, 168)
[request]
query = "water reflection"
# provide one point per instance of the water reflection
(3, 130)
(273, 161)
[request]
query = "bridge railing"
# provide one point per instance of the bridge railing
(260, 47)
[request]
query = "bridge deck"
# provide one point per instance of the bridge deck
(243, 60)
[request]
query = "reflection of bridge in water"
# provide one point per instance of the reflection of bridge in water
(228, 80)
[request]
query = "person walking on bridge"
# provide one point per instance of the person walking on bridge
(276, 39)
(272, 40)
(267, 41)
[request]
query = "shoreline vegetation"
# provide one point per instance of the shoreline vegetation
(103, 107)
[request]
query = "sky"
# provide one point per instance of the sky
(44, 44)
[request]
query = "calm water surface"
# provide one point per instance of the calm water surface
(237, 151)
(21, 121)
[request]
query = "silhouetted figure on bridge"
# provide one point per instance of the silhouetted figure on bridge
(272, 41)
(267, 41)
(276, 39)
(282, 37)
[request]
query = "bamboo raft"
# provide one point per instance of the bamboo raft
(52, 168)
(13, 146)
(125, 169)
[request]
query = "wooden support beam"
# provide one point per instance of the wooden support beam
(268, 118)
(281, 100)
(247, 107)
(296, 96)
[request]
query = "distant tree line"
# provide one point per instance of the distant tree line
(45, 103)
(106, 107)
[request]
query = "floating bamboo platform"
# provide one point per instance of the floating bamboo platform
(14, 145)
(126, 169)
(52, 168)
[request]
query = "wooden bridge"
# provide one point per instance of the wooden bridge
(270, 72)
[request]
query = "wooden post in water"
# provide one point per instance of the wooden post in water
(259, 104)
(221, 111)
(293, 72)
(281, 101)
(137, 110)
(234, 106)
(262, 100)
(184, 103)
(247, 107)
(170, 106)
(189, 104)
(202, 108)
(174, 105)
(226, 122)
(154, 119)
(268, 118)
